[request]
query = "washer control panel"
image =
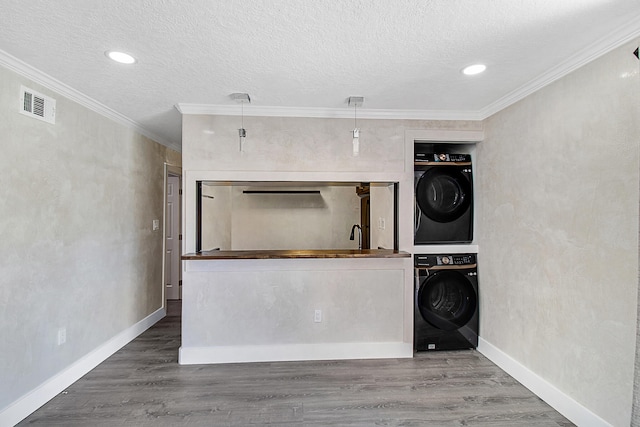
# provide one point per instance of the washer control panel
(442, 157)
(444, 260)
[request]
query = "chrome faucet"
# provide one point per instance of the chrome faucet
(359, 235)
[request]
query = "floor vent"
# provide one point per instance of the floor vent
(37, 105)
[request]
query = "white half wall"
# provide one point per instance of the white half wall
(264, 310)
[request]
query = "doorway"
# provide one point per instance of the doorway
(364, 192)
(172, 277)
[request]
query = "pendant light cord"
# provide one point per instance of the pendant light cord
(355, 115)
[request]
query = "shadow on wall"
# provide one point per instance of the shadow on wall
(259, 199)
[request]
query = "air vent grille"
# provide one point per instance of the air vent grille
(37, 105)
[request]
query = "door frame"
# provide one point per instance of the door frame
(170, 170)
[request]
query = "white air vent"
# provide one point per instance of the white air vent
(37, 105)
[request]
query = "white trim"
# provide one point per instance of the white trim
(446, 249)
(27, 404)
(325, 113)
(318, 177)
(294, 352)
(37, 76)
(624, 34)
(560, 401)
(299, 264)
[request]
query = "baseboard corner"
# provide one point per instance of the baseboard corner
(34, 399)
(558, 400)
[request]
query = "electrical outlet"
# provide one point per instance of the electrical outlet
(156, 224)
(317, 316)
(381, 223)
(62, 336)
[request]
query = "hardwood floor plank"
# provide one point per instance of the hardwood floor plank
(142, 384)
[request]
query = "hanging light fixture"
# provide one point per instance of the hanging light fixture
(356, 101)
(242, 98)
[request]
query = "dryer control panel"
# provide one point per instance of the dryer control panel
(444, 260)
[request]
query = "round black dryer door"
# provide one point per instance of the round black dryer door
(443, 193)
(447, 300)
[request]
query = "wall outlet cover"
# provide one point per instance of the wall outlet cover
(62, 336)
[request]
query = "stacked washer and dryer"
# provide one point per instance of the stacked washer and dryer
(446, 284)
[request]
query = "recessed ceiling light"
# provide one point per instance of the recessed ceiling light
(121, 57)
(474, 69)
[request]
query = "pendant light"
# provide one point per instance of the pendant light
(356, 101)
(242, 98)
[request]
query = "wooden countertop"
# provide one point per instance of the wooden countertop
(293, 254)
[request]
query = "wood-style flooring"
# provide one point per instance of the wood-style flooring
(143, 385)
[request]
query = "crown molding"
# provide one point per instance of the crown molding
(324, 113)
(43, 79)
(624, 34)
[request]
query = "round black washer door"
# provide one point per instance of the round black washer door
(447, 300)
(443, 193)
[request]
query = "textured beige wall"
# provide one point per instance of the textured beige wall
(300, 149)
(78, 250)
(301, 221)
(300, 144)
(304, 149)
(288, 221)
(557, 206)
(238, 221)
(216, 217)
(382, 206)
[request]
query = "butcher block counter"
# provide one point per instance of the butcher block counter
(295, 254)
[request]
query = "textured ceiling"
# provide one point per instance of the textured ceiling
(403, 56)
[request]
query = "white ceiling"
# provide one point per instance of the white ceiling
(297, 57)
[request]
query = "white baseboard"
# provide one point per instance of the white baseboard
(293, 352)
(30, 402)
(572, 410)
